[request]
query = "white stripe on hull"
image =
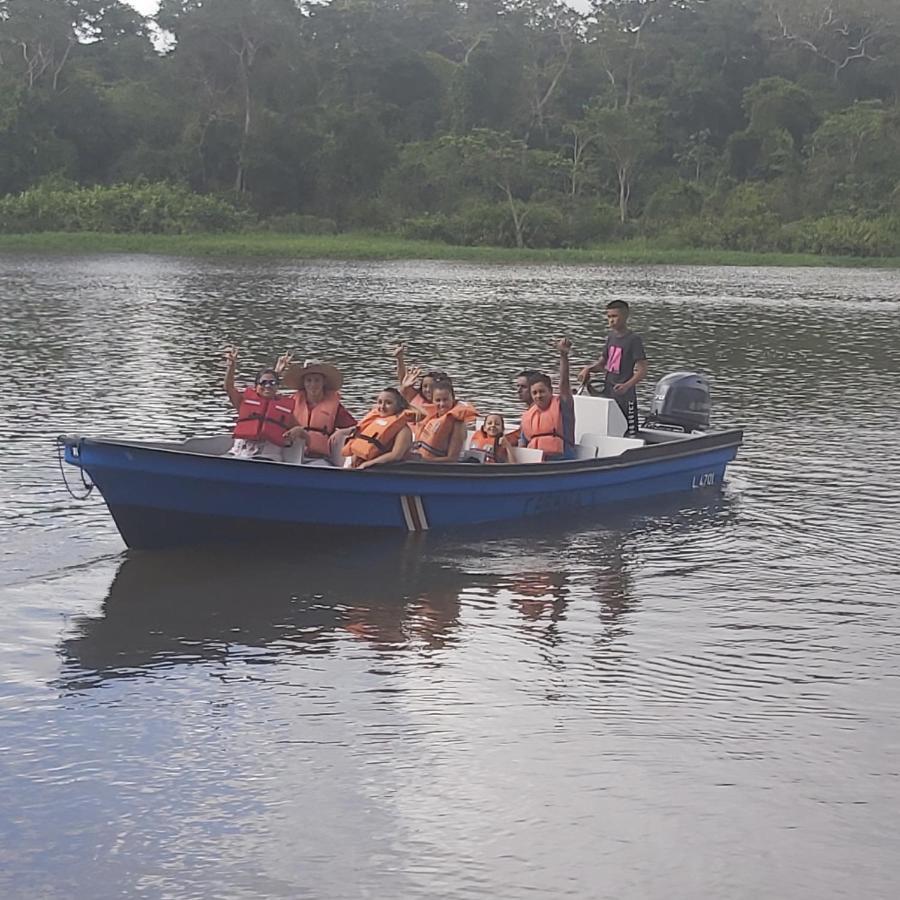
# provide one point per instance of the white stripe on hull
(414, 513)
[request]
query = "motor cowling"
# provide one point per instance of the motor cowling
(681, 402)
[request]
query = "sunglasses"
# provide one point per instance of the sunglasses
(268, 382)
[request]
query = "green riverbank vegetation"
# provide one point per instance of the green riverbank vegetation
(621, 131)
(365, 246)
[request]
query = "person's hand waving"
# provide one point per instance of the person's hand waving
(283, 362)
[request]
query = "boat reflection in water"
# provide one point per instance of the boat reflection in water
(181, 607)
(415, 592)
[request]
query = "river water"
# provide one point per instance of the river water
(681, 700)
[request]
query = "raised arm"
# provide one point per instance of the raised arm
(234, 395)
(283, 362)
(399, 355)
(564, 345)
(408, 382)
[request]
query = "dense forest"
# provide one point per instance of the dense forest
(744, 124)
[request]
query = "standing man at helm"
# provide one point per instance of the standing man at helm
(623, 363)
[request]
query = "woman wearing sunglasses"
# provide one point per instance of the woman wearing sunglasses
(264, 416)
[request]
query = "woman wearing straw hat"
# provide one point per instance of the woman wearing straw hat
(317, 406)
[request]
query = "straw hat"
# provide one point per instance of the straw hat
(293, 377)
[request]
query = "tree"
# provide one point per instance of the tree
(778, 104)
(845, 134)
(552, 29)
(698, 153)
(37, 37)
(839, 33)
(854, 159)
(624, 35)
(354, 157)
(627, 138)
(219, 46)
(505, 165)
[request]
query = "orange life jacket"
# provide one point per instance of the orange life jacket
(318, 421)
(420, 402)
(543, 428)
(494, 451)
(260, 419)
(414, 398)
(375, 435)
(411, 395)
(513, 436)
(432, 435)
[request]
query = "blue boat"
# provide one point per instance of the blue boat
(164, 494)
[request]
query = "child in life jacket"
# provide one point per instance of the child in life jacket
(441, 436)
(549, 423)
(383, 436)
(491, 439)
(264, 417)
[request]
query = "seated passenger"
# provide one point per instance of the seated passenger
(523, 392)
(383, 436)
(441, 436)
(415, 385)
(318, 410)
(549, 423)
(490, 439)
(264, 417)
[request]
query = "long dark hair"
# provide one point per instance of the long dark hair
(499, 416)
(444, 384)
(399, 399)
(435, 375)
(497, 437)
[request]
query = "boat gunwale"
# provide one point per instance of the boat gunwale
(664, 450)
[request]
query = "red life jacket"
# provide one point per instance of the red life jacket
(318, 421)
(432, 436)
(494, 451)
(375, 435)
(543, 428)
(260, 419)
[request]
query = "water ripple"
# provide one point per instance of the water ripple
(672, 700)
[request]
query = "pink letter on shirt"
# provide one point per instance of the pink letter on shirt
(614, 359)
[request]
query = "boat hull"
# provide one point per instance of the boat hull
(161, 497)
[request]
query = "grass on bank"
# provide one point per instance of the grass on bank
(386, 247)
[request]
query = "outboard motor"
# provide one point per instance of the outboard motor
(680, 403)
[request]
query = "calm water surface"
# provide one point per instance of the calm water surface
(680, 700)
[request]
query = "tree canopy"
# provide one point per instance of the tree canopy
(507, 121)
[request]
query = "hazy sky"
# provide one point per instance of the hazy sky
(144, 6)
